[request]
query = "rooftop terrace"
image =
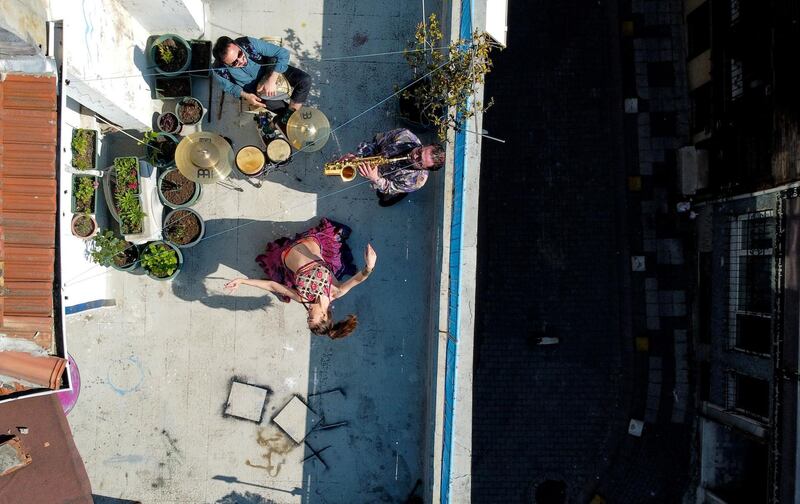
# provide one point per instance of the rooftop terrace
(158, 366)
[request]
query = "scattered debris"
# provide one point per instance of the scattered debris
(12, 456)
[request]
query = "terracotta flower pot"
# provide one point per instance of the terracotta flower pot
(83, 226)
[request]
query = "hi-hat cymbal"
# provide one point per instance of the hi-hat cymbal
(308, 129)
(204, 157)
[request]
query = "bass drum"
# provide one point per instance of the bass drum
(250, 161)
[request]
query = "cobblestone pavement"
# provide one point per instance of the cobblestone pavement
(558, 227)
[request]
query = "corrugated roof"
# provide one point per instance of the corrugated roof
(28, 192)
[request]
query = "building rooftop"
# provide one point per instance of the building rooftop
(153, 421)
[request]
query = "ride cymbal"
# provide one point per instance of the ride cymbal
(308, 129)
(204, 157)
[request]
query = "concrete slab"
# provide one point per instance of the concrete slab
(157, 368)
(246, 401)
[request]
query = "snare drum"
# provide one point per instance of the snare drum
(279, 151)
(250, 161)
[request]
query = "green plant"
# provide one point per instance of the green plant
(130, 211)
(126, 171)
(82, 146)
(160, 260)
(83, 225)
(447, 77)
(165, 51)
(84, 192)
(105, 247)
(177, 231)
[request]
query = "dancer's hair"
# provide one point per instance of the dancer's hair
(335, 330)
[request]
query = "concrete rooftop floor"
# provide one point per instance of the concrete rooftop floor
(157, 367)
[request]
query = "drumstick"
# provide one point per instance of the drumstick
(221, 101)
(210, 94)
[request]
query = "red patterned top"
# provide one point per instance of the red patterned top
(313, 280)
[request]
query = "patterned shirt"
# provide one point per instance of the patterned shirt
(401, 176)
(259, 53)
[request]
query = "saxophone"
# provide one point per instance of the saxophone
(347, 169)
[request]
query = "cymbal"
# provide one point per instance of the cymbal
(308, 129)
(204, 157)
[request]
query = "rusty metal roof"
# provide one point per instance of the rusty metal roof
(28, 208)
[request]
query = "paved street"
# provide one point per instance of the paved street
(551, 256)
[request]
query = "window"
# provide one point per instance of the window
(737, 79)
(701, 108)
(750, 289)
(698, 27)
(749, 395)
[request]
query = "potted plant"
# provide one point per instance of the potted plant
(126, 173)
(168, 123)
(161, 260)
(170, 54)
(201, 57)
(84, 197)
(184, 227)
(83, 225)
(445, 79)
(107, 249)
(160, 148)
(176, 191)
(173, 87)
(189, 110)
(127, 205)
(84, 149)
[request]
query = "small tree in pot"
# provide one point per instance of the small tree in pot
(445, 78)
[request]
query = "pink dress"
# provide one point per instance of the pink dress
(336, 258)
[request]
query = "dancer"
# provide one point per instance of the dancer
(307, 269)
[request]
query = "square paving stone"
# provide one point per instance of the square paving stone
(246, 401)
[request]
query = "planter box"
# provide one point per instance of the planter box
(94, 203)
(201, 58)
(90, 143)
(112, 200)
(173, 87)
(138, 171)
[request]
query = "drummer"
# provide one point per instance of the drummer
(248, 68)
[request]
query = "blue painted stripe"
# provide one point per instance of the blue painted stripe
(454, 306)
(89, 305)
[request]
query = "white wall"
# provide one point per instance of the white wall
(184, 17)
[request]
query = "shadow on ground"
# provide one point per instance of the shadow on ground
(202, 280)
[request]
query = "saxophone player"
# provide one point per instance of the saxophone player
(393, 181)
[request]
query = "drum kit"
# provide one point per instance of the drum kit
(206, 157)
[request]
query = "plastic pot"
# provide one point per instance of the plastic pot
(181, 43)
(132, 266)
(185, 101)
(194, 199)
(199, 236)
(154, 158)
(173, 247)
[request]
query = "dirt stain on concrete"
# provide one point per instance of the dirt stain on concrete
(276, 447)
(172, 443)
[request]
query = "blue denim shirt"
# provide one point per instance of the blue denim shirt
(252, 70)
